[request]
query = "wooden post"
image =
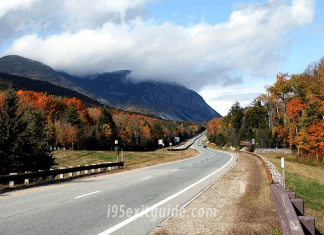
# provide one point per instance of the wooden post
(27, 180)
(12, 183)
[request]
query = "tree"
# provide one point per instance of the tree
(41, 158)
(106, 128)
(19, 143)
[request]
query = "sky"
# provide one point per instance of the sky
(227, 51)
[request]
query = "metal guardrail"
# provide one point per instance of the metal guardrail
(5, 179)
(188, 143)
(289, 209)
(291, 212)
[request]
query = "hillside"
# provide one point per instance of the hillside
(118, 90)
(27, 84)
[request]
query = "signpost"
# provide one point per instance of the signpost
(283, 170)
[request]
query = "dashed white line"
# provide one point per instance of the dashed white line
(87, 194)
(174, 169)
(146, 178)
(189, 165)
(142, 213)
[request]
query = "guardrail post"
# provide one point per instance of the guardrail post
(70, 173)
(99, 169)
(109, 168)
(298, 206)
(27, 180)
(78, 172)
(51, 177)
(93, 170)
(12, 183)
(40, 179)
(308, 224)
(62, 175)
(86, 171)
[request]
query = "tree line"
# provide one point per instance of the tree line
(289, 115)
(33, 122)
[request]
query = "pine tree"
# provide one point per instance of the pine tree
(106, 128)
(41, 158)
(23, 145)
(14, 145)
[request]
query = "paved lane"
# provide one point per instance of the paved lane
(112, 204)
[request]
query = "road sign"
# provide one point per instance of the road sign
(160, 142)
(245, 142)
(253, 141)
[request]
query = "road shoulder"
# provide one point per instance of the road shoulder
(239, 203)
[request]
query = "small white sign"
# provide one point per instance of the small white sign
(253, 141)
(116, 141)
(282, 162)
(160, 142)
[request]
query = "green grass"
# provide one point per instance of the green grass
(309, 189)
(66, 158)
(306, 178)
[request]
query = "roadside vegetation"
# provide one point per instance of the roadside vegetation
(33, 123)
(289, 115)
(66, 158)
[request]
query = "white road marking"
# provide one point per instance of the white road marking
(190, 165)
(142, 213)
(87, 194)
(146, 178)
(174, 169)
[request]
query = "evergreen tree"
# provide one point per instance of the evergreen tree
(41, 158)
(14, 145)
(106, 118)
(23, 146)
(106, 127)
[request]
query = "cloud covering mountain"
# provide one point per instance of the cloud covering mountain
(92, 36)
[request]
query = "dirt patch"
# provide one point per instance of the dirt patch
(241, 200)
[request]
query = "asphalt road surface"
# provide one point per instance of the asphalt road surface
(131, 202)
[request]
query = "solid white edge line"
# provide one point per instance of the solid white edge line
(87, 194)
(131, 219)
(146, 178)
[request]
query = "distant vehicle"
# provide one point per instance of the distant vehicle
(204, 146)
(199, 144)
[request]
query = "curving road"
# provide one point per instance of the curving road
(131, 202)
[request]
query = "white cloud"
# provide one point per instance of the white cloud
(8, 6)
(110, 35)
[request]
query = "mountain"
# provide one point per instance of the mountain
(20, 66)
(116, 89)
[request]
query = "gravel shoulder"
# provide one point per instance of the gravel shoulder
(239, 203)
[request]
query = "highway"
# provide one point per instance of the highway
(130, 202)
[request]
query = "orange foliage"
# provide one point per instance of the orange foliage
(294, 108)
(66, 134)
(316, 140)
(1, 99)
